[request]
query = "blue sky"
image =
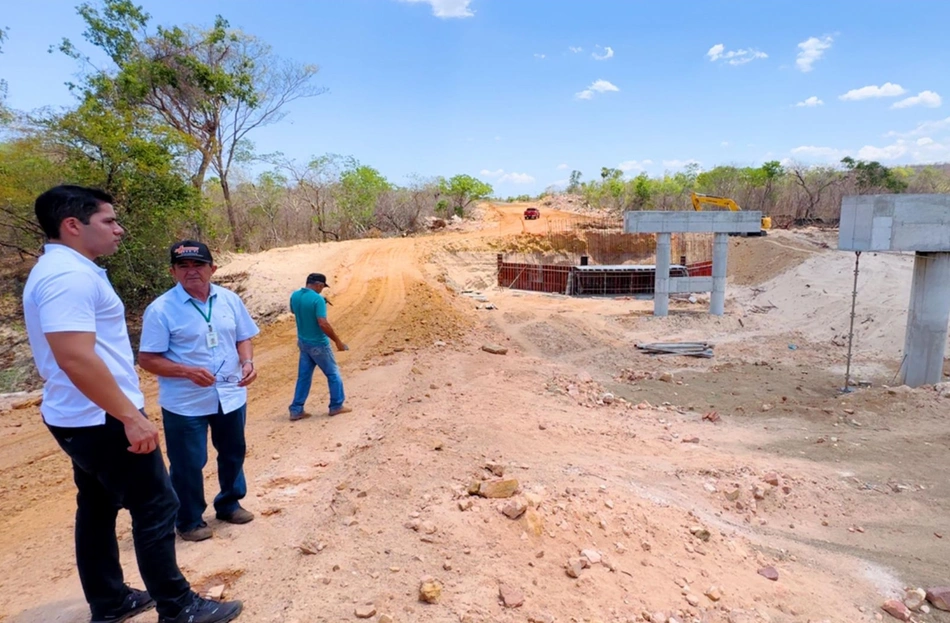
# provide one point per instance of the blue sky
(520, 92)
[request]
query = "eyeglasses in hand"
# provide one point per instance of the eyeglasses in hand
(225, 379)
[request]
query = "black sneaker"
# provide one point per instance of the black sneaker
(136, 602)
(202, 610)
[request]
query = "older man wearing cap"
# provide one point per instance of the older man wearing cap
(314, 334)
(196, 338)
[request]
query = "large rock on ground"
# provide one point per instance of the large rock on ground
(497, 488)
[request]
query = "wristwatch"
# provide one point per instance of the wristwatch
(246, 361)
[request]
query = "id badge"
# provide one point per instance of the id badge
(212, 339)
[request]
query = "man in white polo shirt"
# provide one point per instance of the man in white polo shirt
(93, 407)
(196, 338)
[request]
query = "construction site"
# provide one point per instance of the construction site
(787, 475)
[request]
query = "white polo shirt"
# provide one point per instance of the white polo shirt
(68, 292)
(175, 326)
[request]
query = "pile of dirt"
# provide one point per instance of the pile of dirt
(814, 298)
(753, 261)
(428, 317)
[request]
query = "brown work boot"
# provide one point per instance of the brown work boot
(200, 533)
(340, 410)
(299, 416)
(241, 515)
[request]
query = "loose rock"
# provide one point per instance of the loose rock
(494, 349)
(914, 598)
(511, 597)
(896, 609)
(769, 573)
(515, 508)
(430, 590)
(713, 593)
(365, 612)
(939, 597)
(497, 488)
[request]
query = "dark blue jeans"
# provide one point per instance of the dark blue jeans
(109, 477)
(186, 439)
(314, 356)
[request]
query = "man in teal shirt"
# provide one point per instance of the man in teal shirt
(314, 335)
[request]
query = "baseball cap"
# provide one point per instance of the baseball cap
(190, 250)
(313, 278)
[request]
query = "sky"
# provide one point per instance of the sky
(521, 92)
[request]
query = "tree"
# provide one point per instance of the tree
(212, 86)
(463, 190)
(872, 177)
(358, 194)
(4, 113)
(575, 182)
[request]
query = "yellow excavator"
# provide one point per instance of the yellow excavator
(724, 202)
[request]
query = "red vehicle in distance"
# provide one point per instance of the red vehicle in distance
(531, 214)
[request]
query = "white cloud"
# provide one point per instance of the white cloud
(608, 53)
(885, 90)
(810, 102)
(921, 151)
(679, 164)
(733, 57)
(928, 99)
(575, 49)
(829, 154)
(540, 56)
(927, 127)
(447, 8)
(890, 152)
(811, 50)
(724, 144)
(487, 173)
(502, 177)
(562, 167)
(598, 86)
(634, 165)
(516, 178)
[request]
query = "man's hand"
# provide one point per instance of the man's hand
(341, 346)
(199, 376)
(141, 433)
(249, 373)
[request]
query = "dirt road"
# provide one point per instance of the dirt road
(846, 496)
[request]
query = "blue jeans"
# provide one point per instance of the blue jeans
(317, 356)
(186, 439)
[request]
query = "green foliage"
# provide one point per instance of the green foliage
(463, 190)
(873, 177)
(212, 87)
(359, 191)
(574, 184)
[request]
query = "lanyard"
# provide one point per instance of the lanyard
(198, 309)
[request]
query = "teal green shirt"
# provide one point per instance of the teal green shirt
(308, 306)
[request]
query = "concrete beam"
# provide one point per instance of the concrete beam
(688, 285)
(692, 222)
(895, 223)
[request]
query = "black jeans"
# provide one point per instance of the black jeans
(108, 478)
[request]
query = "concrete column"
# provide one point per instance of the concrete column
(661, 288)
(717, 300)
(927, 320)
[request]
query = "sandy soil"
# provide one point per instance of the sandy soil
(846, 496)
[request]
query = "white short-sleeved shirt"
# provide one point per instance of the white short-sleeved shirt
(173, 327)
(68, 292)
